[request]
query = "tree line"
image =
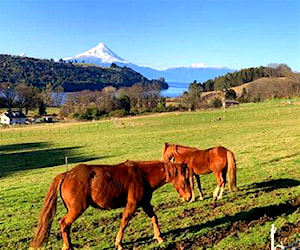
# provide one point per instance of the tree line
(244, 76)
(72, 77)
(112, 102)
(221, 87)
(23, 97)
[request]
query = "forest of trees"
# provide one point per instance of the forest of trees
(28, 84)
(220, 87)
(71, 77)
(93, 105)
(244, 76)
(87, 104)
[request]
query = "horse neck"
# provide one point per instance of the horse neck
(158, 176)
(182, 152)
(178, 154)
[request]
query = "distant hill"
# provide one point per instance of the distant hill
(72, 77)
(269, 88)
(262, 89)
(243, 76)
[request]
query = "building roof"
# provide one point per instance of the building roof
(14, 114)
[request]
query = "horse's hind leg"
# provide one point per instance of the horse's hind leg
(128, 212)
(199, 186)
(149, 211)
(65, 225)
(220, 187)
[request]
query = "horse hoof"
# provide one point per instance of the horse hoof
(160, 240)
(65, 247)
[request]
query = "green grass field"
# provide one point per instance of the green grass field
(265, 138)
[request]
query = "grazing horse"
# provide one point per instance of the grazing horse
(128, 184)
(218, 160)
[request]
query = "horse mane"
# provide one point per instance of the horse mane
(171, 170)
(174, 148)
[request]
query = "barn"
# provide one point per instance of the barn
(12, 117)
(229, 103)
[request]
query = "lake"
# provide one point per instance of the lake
(175, 89)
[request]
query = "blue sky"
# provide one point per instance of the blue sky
(156, 33)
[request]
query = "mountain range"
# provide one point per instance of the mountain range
(103, 56)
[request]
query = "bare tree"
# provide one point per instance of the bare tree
(27, 97)
(9, 95)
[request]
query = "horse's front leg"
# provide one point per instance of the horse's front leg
(147, 207)
(128, 212)
(192, 187)
(199, 186)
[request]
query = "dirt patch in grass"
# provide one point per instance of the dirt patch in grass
(232, 226)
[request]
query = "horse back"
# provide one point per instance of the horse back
(207, 160)
(103, 186)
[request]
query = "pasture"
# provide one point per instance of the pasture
(265, 138)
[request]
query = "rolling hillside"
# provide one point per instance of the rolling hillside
(72, 77)
(263, 88)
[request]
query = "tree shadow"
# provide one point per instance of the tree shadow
(38, 155)
(282, 158)
(22, 146)
(270, 185)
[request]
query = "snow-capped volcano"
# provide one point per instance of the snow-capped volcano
(100, 54)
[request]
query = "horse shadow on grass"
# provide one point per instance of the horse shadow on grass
(220, 225)
(254, 215)
(37, 155)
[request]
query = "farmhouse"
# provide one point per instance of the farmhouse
(228, 103)
(12, 117)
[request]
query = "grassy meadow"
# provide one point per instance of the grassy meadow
(265, 138)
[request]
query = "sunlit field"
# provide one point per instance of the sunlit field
(265, 138)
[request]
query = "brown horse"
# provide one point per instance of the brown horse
(218, 160)
(128, 184)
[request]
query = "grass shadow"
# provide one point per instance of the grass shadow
(277, 159)
(270, 185)
(38, 155)
(22, 146)
(223, 226)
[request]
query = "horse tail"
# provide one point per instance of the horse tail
(231, 165)
(47, 213)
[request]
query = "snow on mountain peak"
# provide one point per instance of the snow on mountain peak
(100, 52)
(198, 65)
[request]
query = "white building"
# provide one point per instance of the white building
(12, 117)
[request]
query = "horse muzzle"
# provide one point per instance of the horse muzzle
(186, 197)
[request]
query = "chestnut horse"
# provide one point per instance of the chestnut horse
(128, 184)
(218, 160)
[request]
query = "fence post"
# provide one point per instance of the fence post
(66, 161)
(273, 230)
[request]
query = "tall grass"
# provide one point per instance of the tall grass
(264, 138)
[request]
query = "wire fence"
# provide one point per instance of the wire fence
(192, 118)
